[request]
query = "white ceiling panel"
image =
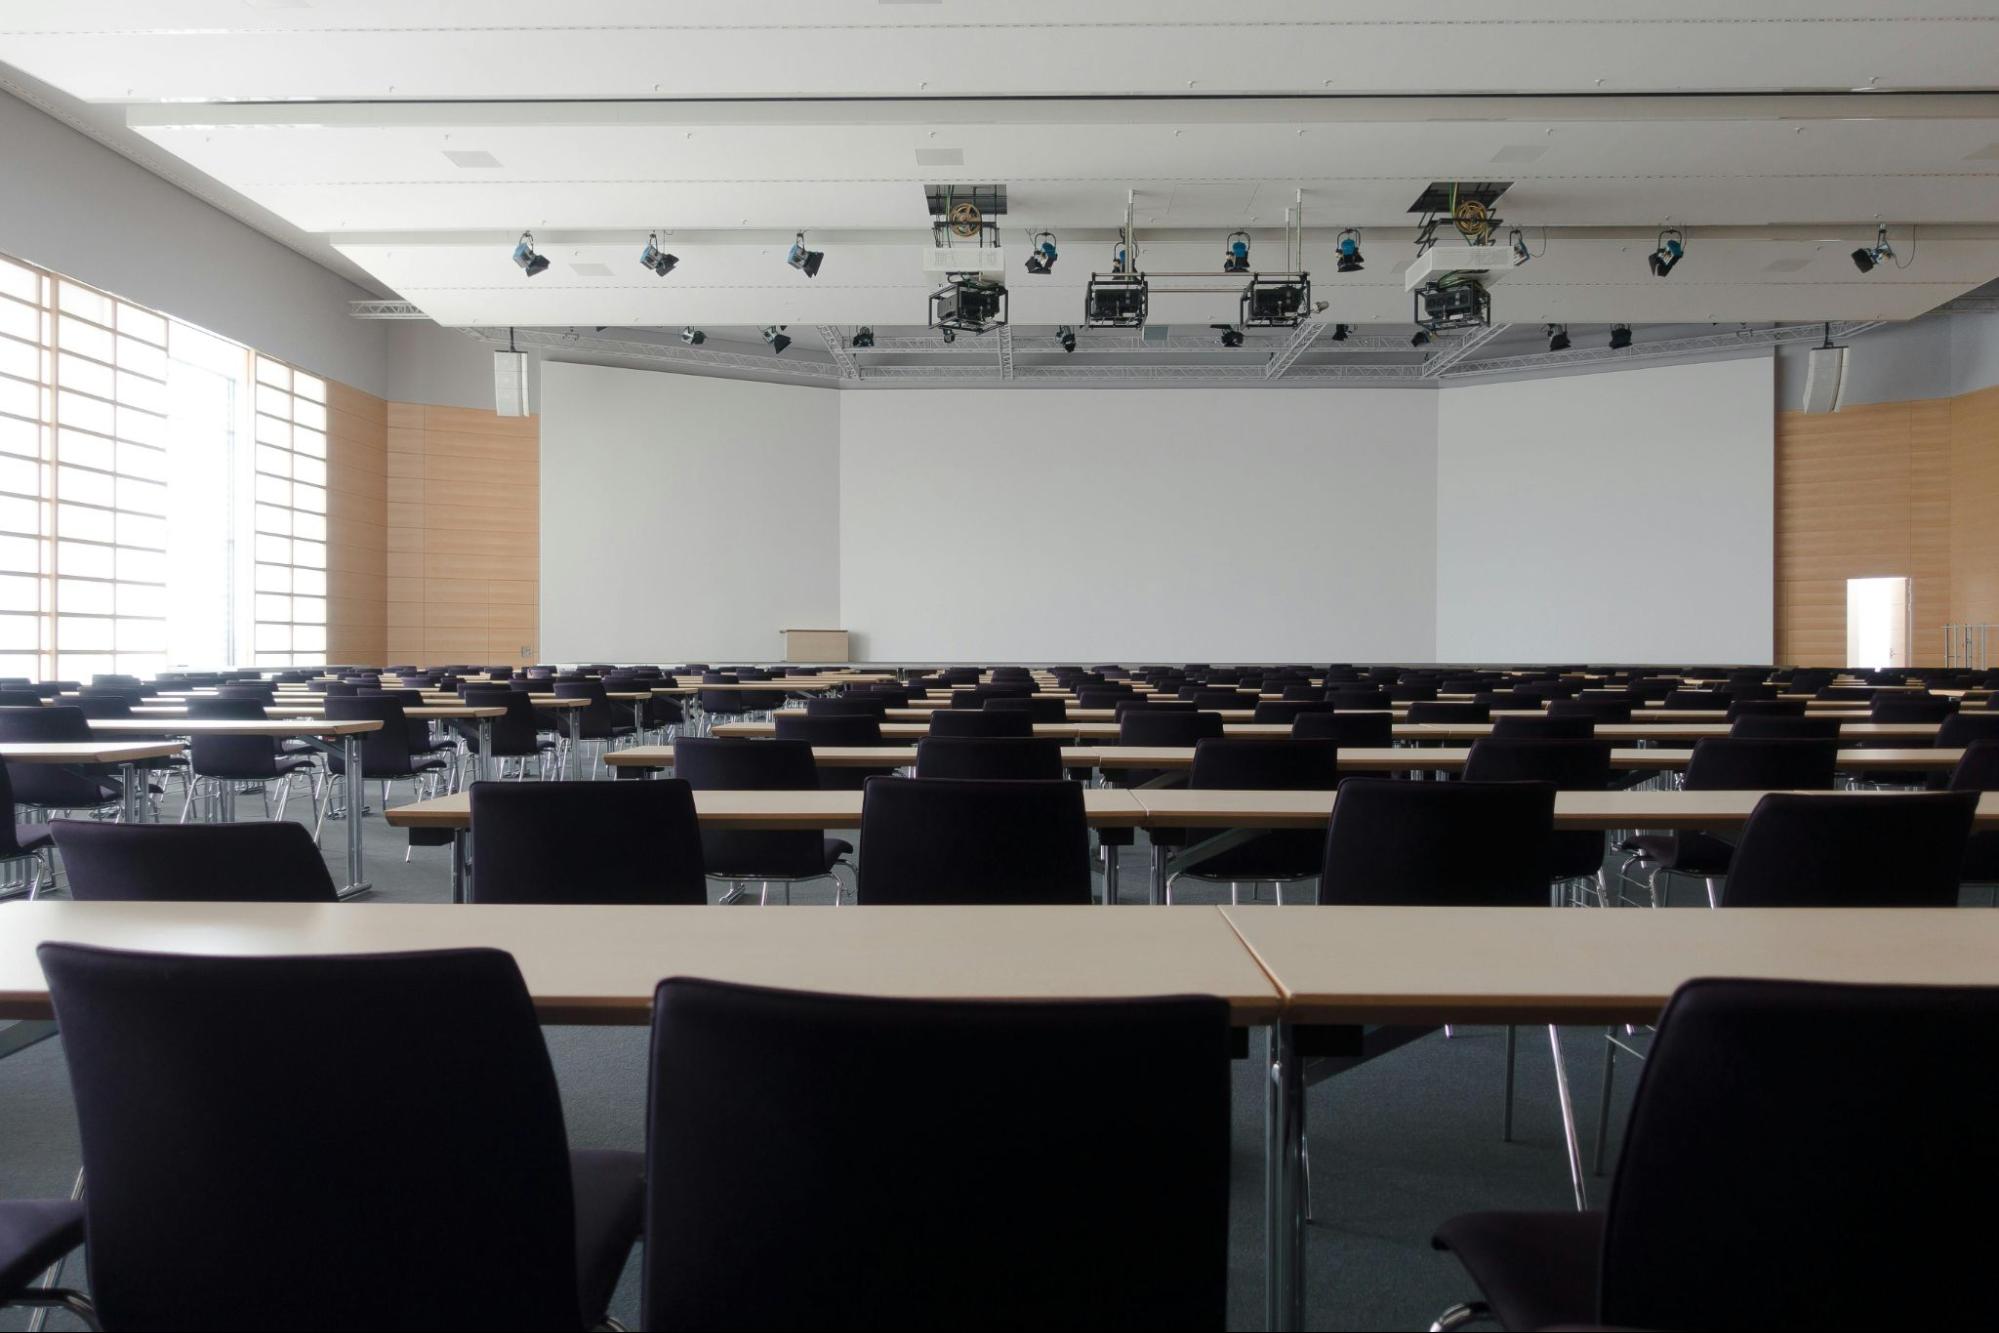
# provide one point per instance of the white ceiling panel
(146, 50)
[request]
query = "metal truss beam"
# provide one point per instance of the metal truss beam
(690, 358)
(385, 310)
(1287, 356)
(836, 347)
(1460, 348)
(1691, 346)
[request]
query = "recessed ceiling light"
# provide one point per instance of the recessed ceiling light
(940, 157)
(471, 157)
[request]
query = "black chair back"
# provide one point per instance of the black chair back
(717, 764)
(1822, 1241)
(1407, 844)
(1597, 710)
(1348, 731)
(979, 722)
(1139, 1240)
(1241, 764)
(267, 861)
(956, 841)
(850, 705)
(1167, 727)
(1761, 764)
(830, 729)
(385, 751)
(586, 842)
(1740, 708)
(1779, 726)
(1544, 727)
(213, 1095)
(1446, 710)
(1909, 706)
(1014, 759)
(1892, 850)
(1571, 765)
(54, 786)
(1039, 710)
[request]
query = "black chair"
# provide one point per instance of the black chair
(386, 754)
(1572, 766)
(1411, 844)
(597, 722)
(517, 735)
(1893, 850)
(1349, 700)
(812, 1115)
(258, 862)
(1348, 731)
(35, 1235)
(23, 846)
(1038, 710)
(979, 722)
(213, 1095)
(1780, 726)
(223, 763)
(1597, 710)
(1978, 770)
(848, 705)
(1016, 759)
(1444, 710)
(951, 841)
(773, 856)
(585, 842)
(847, 730)
(1545, 727)
(1754, 1081)
(1741, 708)
(1683, 700)
(1287, 711)
(1727, 764)
(56, 786)
(1278, 855)
(1909, 706)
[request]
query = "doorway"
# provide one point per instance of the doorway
(1877, 623)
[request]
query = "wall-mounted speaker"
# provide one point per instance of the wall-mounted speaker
(510, 384)
(1825, 378)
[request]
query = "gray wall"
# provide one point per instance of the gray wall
(443, 367)
(70, 204)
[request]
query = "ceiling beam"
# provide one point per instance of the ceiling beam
(1741, 340)
(1287, 356)
(836, 347)
(1460, 348)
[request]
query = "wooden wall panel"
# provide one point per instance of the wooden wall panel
(462, 548)
(1906, 489)
(356, 525)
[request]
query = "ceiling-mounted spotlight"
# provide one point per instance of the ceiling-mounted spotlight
(1558, 337)
(804, 260)
(1420, 338)
(1865, 259)
(525, 256)
(692, 336)
(1517, 240)
(774, 335)
(1231, 335)
(1667, 253)
(1041, 253)
(1340, 332)
(1620, 337)
(656, 259)
(1348, 246)
(864, 337)
(1235, 253)
(1066, 335)
(950, 334)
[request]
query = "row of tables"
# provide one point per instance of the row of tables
(1282, 971)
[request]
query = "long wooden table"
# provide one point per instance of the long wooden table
(1667, 731)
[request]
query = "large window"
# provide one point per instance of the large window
(162, 491)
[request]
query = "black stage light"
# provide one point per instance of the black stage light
(1620, 337)
(1667, 253)
(1041, 253)
(692, 336)
(1231, 335)
(804, 260)
(525, 256)
(1558, 337)
(774, 335)
(1867, 260)
(1420, 338)
(656, 259)
(863, 337)
(1340, 332)
(1235, 253)
(1066, 335)
(1348, 246)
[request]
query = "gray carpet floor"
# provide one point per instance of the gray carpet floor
(1397, 1145)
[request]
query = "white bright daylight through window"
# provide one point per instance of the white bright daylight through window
(162, 491)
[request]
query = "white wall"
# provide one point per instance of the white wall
(1622, 517)
(72, 205)
(1126, 524)
(684, 517)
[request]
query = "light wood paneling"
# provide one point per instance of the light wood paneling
(1907, 489)
(462, 520)
(356, 534)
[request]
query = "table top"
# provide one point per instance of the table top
(86, 752)
(1104, 807)
(1589, 965)
(600, 964)
(422, 713)
(185, 726)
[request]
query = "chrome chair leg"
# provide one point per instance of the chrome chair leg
(1569, 1137)
(1603, 1106)
(1469, 1312)
(1512, 1048)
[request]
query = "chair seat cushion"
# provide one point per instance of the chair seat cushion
(34, 1233)
(835, 849)
(1534, 1269)
(610, 1193)
(1687, 853)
